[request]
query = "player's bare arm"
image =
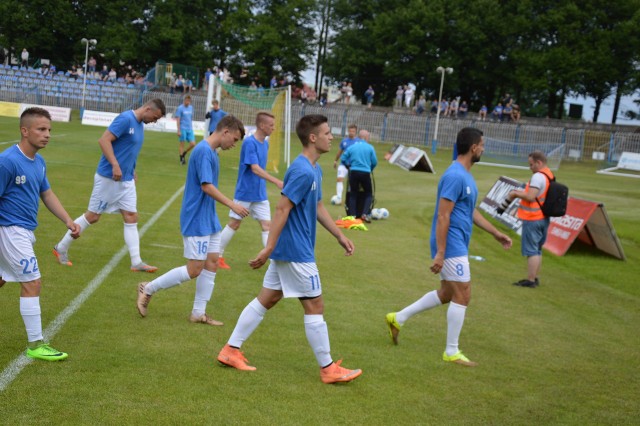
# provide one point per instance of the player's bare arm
(324, 218)
(260, 172)
(487, 226)
(215, 193)
(106, 145)
(445, 207)
(280, 217)
(51, 201)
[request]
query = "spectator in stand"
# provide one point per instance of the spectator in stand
(483, 112)
(434, 107)
(422, 105)
(463, 109)
(408, 95)
(180, 84)
(348, 93)
(188, 85)
(497, 112)
(507, 99)
(506, 112)
(25, 58)
(273, 83)
(323, 99)
(453, 108)
(368, 95)
(73, 72)
(172, 83)
(260, 90)
(104, 74)
(113, 76)
(399, 94)
(515, 113)
(444, 107)
(91, 66)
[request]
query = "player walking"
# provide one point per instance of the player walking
(292, 271)
(23, 183)
(114, 183)
(450, 235)
(251, 187)
(199, 223)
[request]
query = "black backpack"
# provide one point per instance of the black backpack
(555, 204)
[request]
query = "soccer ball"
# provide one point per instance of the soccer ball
(384, 213)
(376, 214)
(335, 200)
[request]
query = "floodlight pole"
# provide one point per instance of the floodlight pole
(441, 70)
(93, 42)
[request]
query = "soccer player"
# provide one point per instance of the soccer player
(251, 187)
(352, 130)
(292, 271)
(184, 123)
(534, 223)
(454, 217)
(23, 181)
(215, 115)
(114, 183)
(199, 223)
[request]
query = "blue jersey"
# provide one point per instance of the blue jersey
(303, 186)
(22, 180)
(346, 143)
(215, 117)
(198, 214)
(129, 133)
(185, 114)
(251, 187)
(360, 157)
(457, 185)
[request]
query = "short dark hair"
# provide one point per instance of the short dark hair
(307, 125)
(157, 104)
(29, 113)
(538, 156)
(467, 137)
(232, 123)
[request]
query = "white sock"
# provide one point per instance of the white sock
(265, 237)
(455, 319)
(132, 240)
(339, 188)
(64, 244)
(225, 237)
(249, 320)
(428, 301)
(318, 337)
(30, 311)
(204, 289)
(174, 277)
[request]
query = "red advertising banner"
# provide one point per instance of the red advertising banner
(585, 221)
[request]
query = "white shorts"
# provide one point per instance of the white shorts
(18, 261)
(259, 210)
(456, 269)
(294, 279)
(197, 248)
(110, 196)
(342, 171)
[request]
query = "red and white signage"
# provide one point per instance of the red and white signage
(585, 221)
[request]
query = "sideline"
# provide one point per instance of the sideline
(15, 367)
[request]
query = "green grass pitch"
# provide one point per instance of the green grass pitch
(564, 353)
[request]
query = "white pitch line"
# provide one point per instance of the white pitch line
(15, 367)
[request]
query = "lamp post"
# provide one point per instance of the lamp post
(92, 42)
(442, 71)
